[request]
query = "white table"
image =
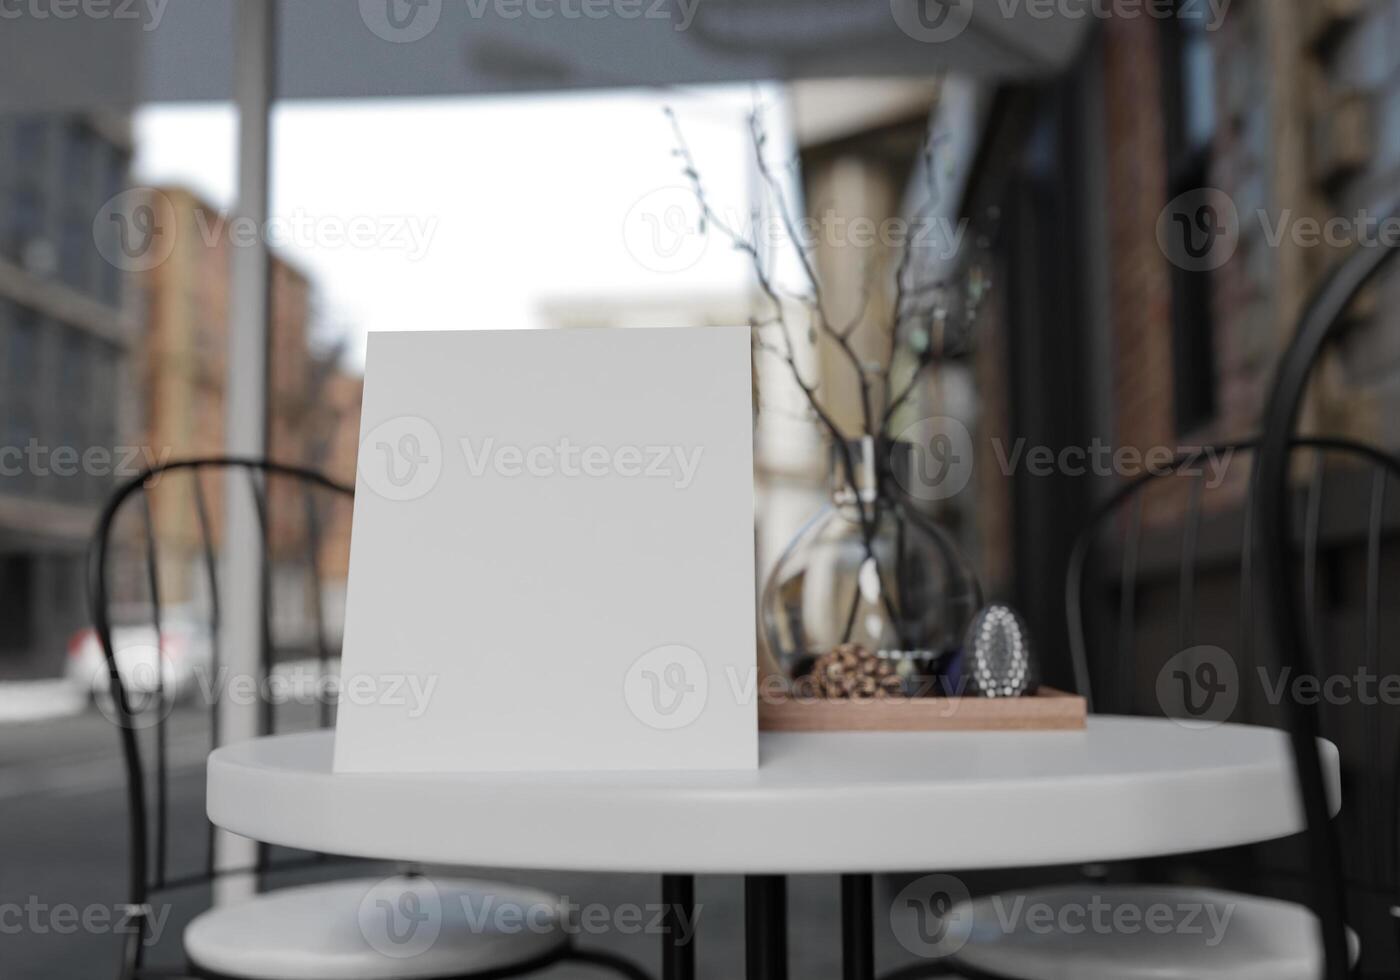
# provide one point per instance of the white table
(854, 803)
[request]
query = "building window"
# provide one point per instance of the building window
(19, 333)
(22, 217)
(74, 413)
(26, 220)
(113, 183)
(29, 143)
(104, 358)
(23, 363)
(75, 251)
(77, 159)
(1188, 91)
(75, 244)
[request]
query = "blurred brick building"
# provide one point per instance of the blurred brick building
(1298, 122)
(1164, 211)
(313, 412)
(1266, 118)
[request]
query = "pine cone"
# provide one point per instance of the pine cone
(852, 671)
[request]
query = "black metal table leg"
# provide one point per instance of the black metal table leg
(857, 927)
(678, 904)
(765, 927)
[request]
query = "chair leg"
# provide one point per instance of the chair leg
(765, 927)
(857, 928)
(608, 961)
(678, 904)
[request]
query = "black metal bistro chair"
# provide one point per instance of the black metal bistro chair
(362, 928)
(1265, 936)
(1298, 646)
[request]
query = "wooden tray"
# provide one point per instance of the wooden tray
(1047, 710)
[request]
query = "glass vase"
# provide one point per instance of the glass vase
(871, 570)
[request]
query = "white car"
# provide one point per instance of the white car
(184, 656)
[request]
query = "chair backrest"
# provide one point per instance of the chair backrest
(304, 492)
(1109, 682)
(1297, 646)
(1334, 530)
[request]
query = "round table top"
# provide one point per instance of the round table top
(838, 802)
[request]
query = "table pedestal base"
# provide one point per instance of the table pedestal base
(765, 927)
(857, 927)
(678, 903)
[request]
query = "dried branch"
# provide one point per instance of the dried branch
(932, 199)
(710, 217)
(863, 304)
(909, 308)
(941, 344)
(840, 443)
(817, 305)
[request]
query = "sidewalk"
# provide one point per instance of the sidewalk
(28, 701)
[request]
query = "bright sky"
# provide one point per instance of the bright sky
(470, 212)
